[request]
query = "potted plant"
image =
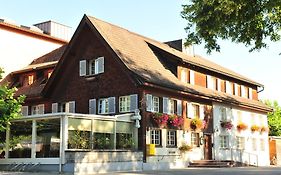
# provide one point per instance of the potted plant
(242, 126)
(160, 119)
(185, 148)
(175, 121)
(255, 128)
(196, 123)
(226, 125)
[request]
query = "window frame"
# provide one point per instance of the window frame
(154, 139)
(240, 142)
(155, 104)
(224, 142)
(126, 102)
(195, 139)
(171, 140)
(196, 110)
(103, 106)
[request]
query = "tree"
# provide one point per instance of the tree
(250, 22)
(274, 118)
(9, 105)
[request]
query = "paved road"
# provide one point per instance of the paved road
(188, 171)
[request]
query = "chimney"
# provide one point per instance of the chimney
(179, 45)
(55, 29)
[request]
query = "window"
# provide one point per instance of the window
(211, 82)
(171, 106)
(92, 67)
(196, 110)
(38, 109)
(124, 104)
(223, 114)
(191, 77)
(62, 107)
(124, 141)
(171, 138)
(262, 143)
(155, 137)
(224, 141)
(183, 75)
(103, 106)
(155, 104)
(240, 142)
(103, 140)
(195, 139)
(99, 65)
(30, 79)
(254, 144)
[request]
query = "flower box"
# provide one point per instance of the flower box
(160, 120)
(175, 121)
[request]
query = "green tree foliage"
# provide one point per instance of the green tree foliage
(250, 22)
(9, 106)
(274, 118)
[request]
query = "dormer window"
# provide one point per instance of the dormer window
(30, 79)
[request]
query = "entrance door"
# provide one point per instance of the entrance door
(208, 147)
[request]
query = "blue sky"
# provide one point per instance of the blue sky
(157, 19)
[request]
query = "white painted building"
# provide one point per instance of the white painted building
(19, 45)
(245, 146)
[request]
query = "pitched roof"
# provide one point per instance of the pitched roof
(134, 51)
(46, 61)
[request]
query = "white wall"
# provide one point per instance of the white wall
(197, 153)
(258, 157)
(18, 50)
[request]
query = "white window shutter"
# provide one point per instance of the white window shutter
(165, 105)
(41, 109)
(99, 65)
(54, 107)
(71, 107)
(191, 78)
(250, 93)
(183, 75)
(24, 110)
(92, 106)
(227, 87)
(201, 112)
(111, 105)
(148, 102)
(190, 111)
(133, 102)
(219, 84)
(82, 67)
(179, 107)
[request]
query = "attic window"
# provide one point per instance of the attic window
(92, 67)
(30, 79)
